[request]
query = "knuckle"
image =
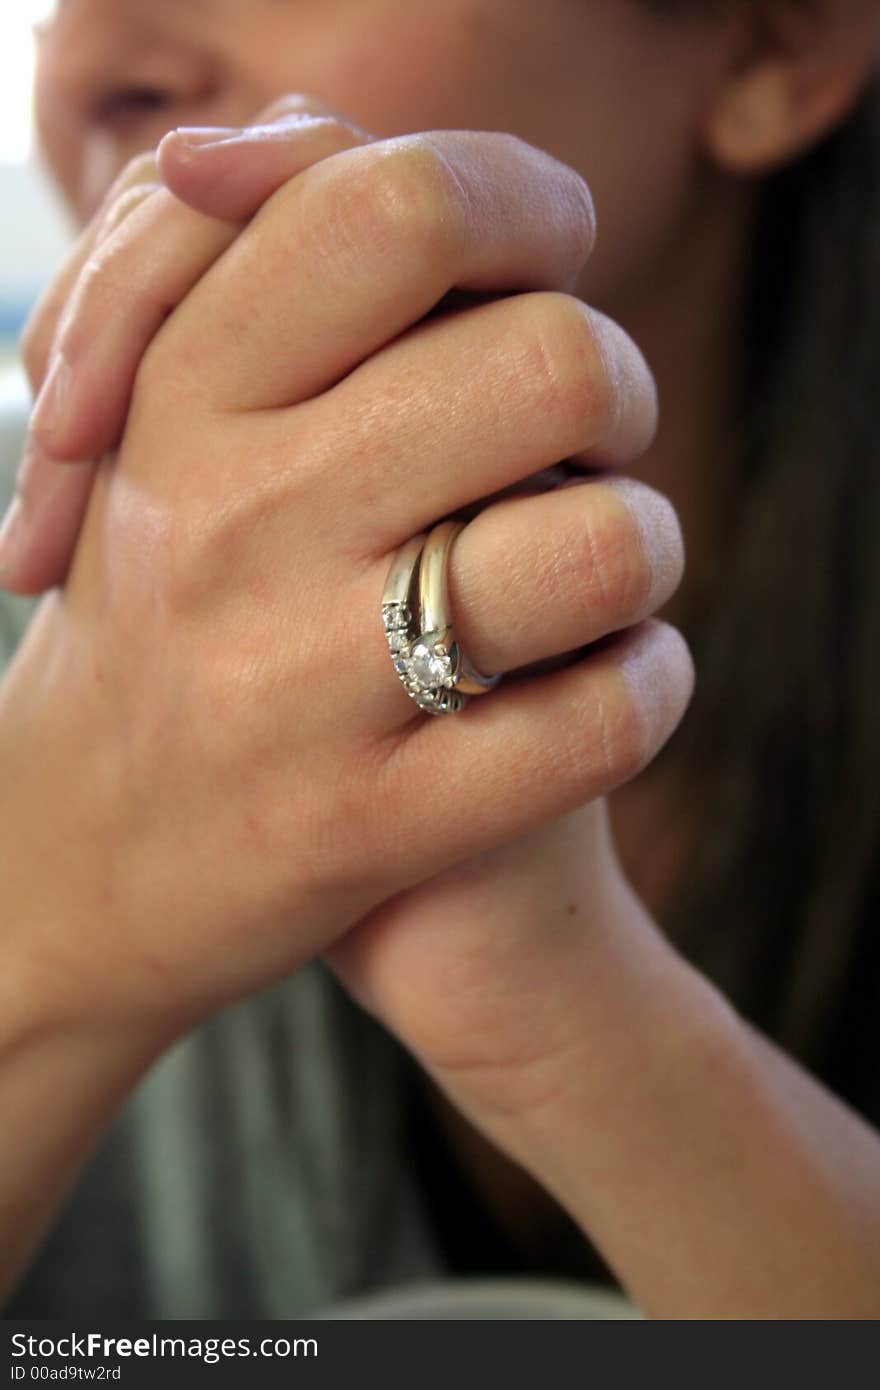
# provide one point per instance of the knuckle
(142, 168)
(123, 204)
(648, 547)
(513, 149)
(36, 337)
(569, 373)
(97, 293)
(663, 539)
(408, 198)
(640, 696)
(615, 560)
(188, 574)
(622, 733)
(583, 214)
(572, 195)
(110, 283)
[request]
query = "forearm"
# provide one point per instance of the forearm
(66, 1062)
(60, 1086)
(719, 1180)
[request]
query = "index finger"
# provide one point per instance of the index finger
(138, 180)
(362, 246)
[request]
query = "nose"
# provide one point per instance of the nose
(114, 75)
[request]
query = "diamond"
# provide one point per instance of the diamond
(429, 664)
(395, 616)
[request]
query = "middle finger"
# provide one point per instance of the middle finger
(462, 407)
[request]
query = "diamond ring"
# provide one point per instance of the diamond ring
(418, 626)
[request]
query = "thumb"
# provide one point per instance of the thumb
(229, 173)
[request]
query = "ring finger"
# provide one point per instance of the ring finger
(536, 577)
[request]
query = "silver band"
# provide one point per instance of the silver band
(418, 626)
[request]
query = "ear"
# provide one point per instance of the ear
(797, 69)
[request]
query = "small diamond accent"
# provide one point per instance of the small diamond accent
(396, 617)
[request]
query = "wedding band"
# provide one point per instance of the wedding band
(418, 625)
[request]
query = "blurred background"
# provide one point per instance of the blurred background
(33, 229)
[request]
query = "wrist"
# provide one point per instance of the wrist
(650, 1038)
(620, 1026)
(707, 1166)
(696, 1157)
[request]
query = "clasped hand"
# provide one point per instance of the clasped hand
(218, 774)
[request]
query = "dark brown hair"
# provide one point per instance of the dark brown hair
(780, 751)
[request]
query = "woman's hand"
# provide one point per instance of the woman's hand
(251, 779)
(140, 255)
(498, 898)
(252, 785)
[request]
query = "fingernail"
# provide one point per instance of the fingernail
(12, 537)
(49, 406)
(196, 136)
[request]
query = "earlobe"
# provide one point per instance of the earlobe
(790, 92)
(748, 128)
